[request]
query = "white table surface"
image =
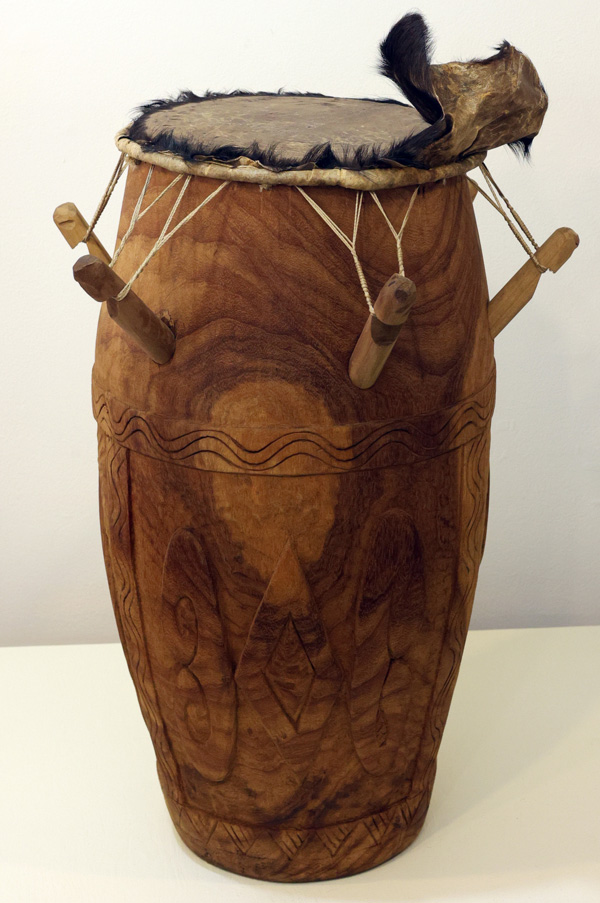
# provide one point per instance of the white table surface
(514, 814)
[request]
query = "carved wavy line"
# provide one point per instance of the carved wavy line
(411, 423)
(447, 436)
(434, 440)
(433, 449)
(410, 427)
(241, 465)
(126, 434)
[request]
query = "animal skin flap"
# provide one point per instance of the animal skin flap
(474, 106)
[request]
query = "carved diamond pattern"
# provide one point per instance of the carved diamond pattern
(289, 673)
(287, 669)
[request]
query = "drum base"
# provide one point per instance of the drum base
(286, 853)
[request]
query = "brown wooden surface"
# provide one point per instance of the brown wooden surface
(473, 188)
(293, 559)
(145, 327)
(519, 290)
(74, 228)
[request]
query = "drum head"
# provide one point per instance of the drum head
(288, 139)
(284, 131)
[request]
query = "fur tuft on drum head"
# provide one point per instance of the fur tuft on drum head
(406, 60)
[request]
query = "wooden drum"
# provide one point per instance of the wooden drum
(292, 558)
(294, 382)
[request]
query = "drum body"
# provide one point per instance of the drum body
(293, 559)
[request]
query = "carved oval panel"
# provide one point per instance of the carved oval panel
(380, 690)
(199, 697)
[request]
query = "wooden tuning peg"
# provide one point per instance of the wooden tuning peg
(381, 330)
(133, 316)
(74, 228)
(513, 297)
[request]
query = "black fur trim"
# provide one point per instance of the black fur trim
(502, 50)
(322, 156)
(406, 60)
(190, 97)
(522, 147)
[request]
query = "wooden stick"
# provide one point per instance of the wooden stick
(74, 228)
(381, 330)
(147, 329)
(513, 297)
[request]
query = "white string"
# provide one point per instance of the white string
(397, 235)
(514, 213)
(164, 236)
(498, 205)
(117, 173)
(349, 243)
(136, 215)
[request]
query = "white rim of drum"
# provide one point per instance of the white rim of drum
(246, 170)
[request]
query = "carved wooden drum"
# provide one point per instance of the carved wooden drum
(293, 558)
(292, 519)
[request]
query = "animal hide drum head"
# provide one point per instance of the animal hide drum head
(283, 131)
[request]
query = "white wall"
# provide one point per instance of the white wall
(71, 72)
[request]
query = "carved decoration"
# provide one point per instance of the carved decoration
(473, 468)
(292, 854)
(287, 669)
(198, 691)
(379, 695)
(307, 451)
(116, 535)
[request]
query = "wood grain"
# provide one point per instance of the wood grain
(473, 188)
(276, 450)
(145, 327)
(299, 555)
(116, 523)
